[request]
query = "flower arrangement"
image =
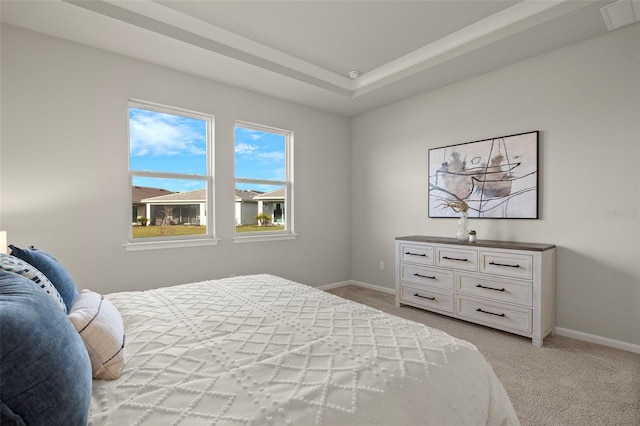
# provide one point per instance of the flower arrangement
(459, 206)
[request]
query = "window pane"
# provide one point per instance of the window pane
(260, 208)
(259, 154)
(168, 184)
(168, 207)
(161, 142)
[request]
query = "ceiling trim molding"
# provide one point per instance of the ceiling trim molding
(519, 17)
(140, 20)
(168, 22)
(152, 31)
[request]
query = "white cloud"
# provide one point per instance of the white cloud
(245, 148)
(271, 156)
(251, 134)
(157, 134)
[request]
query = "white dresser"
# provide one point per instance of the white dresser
(505, 285)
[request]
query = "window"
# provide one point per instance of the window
(170, 170)
(264, 189)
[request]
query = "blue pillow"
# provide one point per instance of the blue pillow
(45, 371)
(52, 269)
(13, 264)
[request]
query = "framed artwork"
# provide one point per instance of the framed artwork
(498, 178)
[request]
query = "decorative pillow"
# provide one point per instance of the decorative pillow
(52, 269)
(20, 267)
(45, 368)
(102, 330)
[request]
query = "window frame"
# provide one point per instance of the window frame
(208, 238)
(287, 183)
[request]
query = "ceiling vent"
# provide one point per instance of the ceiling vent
(621, 13)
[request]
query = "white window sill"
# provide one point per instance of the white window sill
(169, 244)
(254, 238)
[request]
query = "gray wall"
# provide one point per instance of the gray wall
(64, 170)
(64, 185)
(585, 100)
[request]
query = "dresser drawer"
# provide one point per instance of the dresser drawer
(427, 276)
(499, 289)
(426, 297)
(506, 264)
(456, 258)
(416, 254)
(501, 284)
(495, 314)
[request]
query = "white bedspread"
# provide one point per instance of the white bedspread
(262, 350)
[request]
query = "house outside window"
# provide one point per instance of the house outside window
(264, 181)
(181, 208)
(171, 173)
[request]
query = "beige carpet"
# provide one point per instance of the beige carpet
(566, 382)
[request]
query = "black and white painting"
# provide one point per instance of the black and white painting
(497, 178)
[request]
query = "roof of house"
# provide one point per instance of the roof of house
(196, 196)
(139, 193)
(278, 194)
(245, 195)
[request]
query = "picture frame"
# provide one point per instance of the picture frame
(497, 177)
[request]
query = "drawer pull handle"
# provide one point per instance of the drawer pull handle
(425, 297)
(489, 288)
(504, 264)
(455, 258)
(487, 312)
(415, 254)
(424, 276)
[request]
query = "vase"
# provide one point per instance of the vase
(463, 227)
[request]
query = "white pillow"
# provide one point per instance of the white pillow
(102, 330)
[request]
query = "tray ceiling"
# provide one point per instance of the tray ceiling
(302, 51)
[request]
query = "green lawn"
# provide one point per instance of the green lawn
(167, 231)
(256, 228)
(173, 230)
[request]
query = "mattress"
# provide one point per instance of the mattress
(263, 350)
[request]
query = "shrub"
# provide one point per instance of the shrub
(263, 218)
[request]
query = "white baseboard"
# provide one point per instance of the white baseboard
(374, 287)
(592, 338)
(358, 283)
(334, 285)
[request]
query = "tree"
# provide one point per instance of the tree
(263, 219)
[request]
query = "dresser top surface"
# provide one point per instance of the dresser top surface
(510, 245)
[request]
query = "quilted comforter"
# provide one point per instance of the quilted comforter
(262, 350)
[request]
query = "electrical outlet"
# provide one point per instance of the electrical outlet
(382, 266)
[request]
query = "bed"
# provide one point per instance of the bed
(246, 350)
(260, 349)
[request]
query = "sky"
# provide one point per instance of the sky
(160, 142)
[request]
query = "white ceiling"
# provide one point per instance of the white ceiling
(302, 50)
(342, 35)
